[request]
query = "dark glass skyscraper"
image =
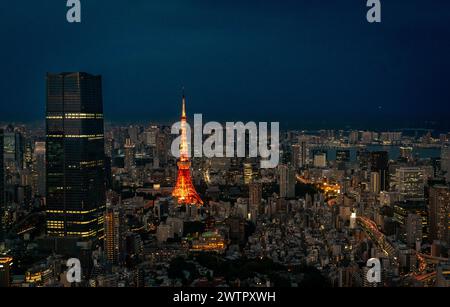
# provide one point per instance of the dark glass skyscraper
(379, 162)
(2, 184)
(75, 156)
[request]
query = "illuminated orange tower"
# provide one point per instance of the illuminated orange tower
(184, 190)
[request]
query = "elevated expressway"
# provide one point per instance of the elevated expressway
(380, 239)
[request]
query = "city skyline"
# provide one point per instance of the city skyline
(128, 212)
(252, 57)
(215, 150)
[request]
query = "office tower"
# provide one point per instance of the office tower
(39, 169)
(320, 160)
(28, 155)
(414, 229)
(303, 154)
(295, 155)
(410, 182)
(287, 181)
(255, 194)
(2, 185)
(379, 163)
(150, 135)
(130, 161)
(363, 157)
(75, 156)
(113, 242)
(439, 210)
(5, 271)
(13, 145)
(375, 182)
(353, 137)
(342, 155)
(255, 198)
(184, 190)
(248, 173)
(406, 153)
(133, 132)
(445, 162)
(406, 214)
(161, 148)
(367, 137)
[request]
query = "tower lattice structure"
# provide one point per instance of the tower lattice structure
(184, 189)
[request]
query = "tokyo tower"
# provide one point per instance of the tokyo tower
(184, 190)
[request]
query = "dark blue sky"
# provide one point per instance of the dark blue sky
(305, 63)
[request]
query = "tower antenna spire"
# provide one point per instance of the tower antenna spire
(183, 111)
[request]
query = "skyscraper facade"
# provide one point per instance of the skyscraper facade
(379, 162)
(130, 161)
(445, 162)
(410, 182)
(13, 148)
(39, 169)
(2, 185)
(295, 155)
(255, 194)
(287, 181)
(113, 234)
(303, 151)
(439, 210)
(75, 156)
(342, 155)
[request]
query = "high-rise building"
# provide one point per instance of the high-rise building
(353, 137)
(248, 173)
(439, 210)
(295, 155)
(375, 182)
(255, 194)
(150, 135)
(406, 214)
(445, 162)
(113, 234)
(303, 154)
(2, 185)
(379, 162)
(320, 160)
(184, 190)
(133, 132)
(406, 153)
(75, 156)
(130, 161)
(410, 182)
(287, 181)
(39, 169)
(28, 155)
(342, 155)
(414, 229)
(13, 146)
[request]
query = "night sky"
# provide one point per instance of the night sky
(305, 63)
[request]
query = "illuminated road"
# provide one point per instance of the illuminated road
(377, 236)
(429, 276)
(428, 258)
(371, 228)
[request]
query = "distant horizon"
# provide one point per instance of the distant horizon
(311, 128)
(305, 64)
